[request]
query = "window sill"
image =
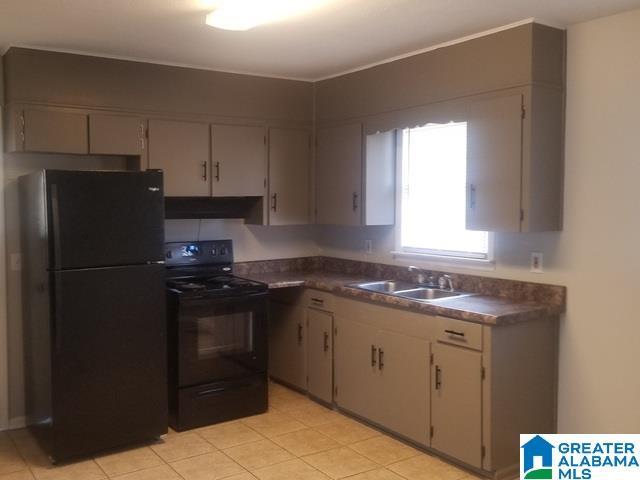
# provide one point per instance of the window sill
(440, 261)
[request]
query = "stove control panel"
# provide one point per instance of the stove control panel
(210, 252)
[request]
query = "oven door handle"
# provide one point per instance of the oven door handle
(216, 390)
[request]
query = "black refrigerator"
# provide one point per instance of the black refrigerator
(94, 309)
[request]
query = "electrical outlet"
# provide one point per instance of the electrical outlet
(536, 262)
(15, 262)
(368, 246)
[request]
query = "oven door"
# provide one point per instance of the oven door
(221, 338)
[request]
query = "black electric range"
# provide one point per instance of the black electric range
(217, 336)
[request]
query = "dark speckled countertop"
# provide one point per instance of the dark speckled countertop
(490, 310)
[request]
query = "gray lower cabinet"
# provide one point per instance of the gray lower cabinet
(287, 344)
(456, 403)
(383, 376)
(403, 368)
(52, 131)
(116, 134)
(356, 366)
(320, 354)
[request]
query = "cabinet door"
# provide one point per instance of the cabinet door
(288, 176)
(116, 134)
(404, 371)
(181, 150)
(355, 361)
(55, 132)
(287, 337)
(339, 175)
(238, 154)
(456, 401)
(320, 354)
(494, 164)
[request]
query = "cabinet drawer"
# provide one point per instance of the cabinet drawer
(319, 299)
(459, 332)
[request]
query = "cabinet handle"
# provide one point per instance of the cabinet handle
(274, 202)
(453, 332)
(204, 171)
(355, 201)
(380, 359)
(373, 355)
(217, 171)
(319, 301)
(438, 377)
(472, 196)
(141, 136)
(326, 342)
(299, 333)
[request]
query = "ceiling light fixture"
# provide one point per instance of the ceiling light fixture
(245, 14)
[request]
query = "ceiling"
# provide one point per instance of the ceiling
(339, 36)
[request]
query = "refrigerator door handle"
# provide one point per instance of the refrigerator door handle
(55, 220)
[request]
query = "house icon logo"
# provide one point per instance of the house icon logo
(537, 459)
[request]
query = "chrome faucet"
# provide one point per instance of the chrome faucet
(422, 278)
(446, 281)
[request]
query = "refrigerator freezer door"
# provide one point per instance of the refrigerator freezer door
(109, 361)
(98, 219)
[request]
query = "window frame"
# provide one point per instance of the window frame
(433, 256)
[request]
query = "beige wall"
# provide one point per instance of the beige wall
(250, 242)
(598, 249)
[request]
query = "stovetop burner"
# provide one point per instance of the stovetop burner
(219, 284)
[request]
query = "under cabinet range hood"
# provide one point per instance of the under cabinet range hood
(248, 208)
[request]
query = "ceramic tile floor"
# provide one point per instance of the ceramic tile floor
(296, 440)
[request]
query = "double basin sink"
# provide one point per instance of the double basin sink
(409, 290)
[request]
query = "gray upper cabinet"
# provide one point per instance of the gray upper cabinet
(339, 175)
(239, 160)
(181, 150)
(380, 178)
(355, 185)
(116, 134)
(515, 161)
(51, 131)
(289, 156)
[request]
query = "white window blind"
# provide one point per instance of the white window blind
(433, 193)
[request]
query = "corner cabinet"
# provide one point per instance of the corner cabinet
(354, 176)
(515, 161)
(301, 343)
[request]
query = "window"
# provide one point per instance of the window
(433, 194)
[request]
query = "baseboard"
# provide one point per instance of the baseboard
(17, 422)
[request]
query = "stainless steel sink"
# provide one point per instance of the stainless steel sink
(428, 293)
(408, 290)
(384, 286)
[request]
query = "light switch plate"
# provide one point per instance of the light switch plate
(536, 262)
